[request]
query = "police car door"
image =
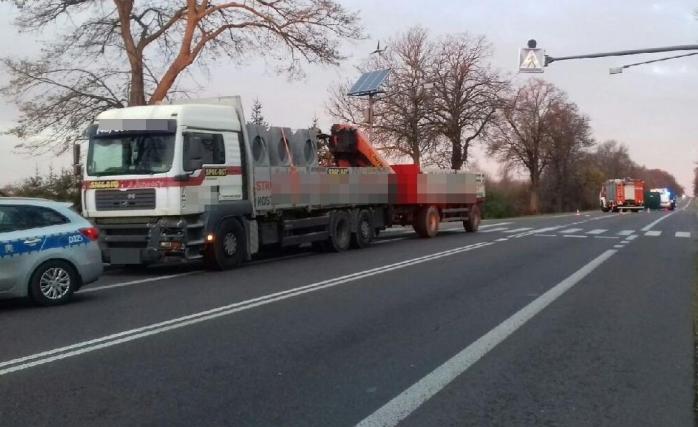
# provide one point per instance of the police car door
(10, 237)
(26, 228)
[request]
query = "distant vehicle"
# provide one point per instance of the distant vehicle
(192, 181)
(622, 194)
(666, 199)
(47, 251)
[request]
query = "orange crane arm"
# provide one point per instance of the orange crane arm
(350, 147)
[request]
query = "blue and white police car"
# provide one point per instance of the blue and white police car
(47, 251)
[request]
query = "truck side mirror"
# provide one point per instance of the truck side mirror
(192, 165)
(77, 169)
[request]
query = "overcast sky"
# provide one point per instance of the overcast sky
(650, 108)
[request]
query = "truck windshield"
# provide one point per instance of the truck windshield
(130, 155)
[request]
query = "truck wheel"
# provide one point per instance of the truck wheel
(364, 231)
(228, 247)
(53, 283)
(472, 224)
(340, 231)
(426, 223)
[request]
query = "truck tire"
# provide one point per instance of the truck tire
(426, 222)
(228, 248)
(364, 230)
(472, 224)
(340, 231)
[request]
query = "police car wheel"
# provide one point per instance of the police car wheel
(53, 283)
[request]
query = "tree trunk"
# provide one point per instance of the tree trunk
(136, 94)
(533, 202)
(456, 155)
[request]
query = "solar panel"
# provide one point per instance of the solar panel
(369, 83)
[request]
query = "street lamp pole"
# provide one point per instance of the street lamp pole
(551, 59)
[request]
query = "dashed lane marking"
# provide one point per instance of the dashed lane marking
(683, 234)
(597, 231)
(653, 233)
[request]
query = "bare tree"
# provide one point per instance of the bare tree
(466, 94)
(345, 108)
(401, 126)
(523, 137)
(122, 52)
(570, 135)
(402, 114)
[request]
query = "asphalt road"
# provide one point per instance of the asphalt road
(555, 320)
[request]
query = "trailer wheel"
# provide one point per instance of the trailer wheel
(340, 231)
(228, 247)
(364, 231)
(426, 223)
(472, 224)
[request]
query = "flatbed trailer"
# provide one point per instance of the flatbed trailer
(191, 181)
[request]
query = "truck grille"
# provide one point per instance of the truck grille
(114, 200)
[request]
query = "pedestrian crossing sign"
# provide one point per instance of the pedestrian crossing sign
(531, 60)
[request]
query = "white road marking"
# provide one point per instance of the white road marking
(576, 236)
(626, 232)
(518, 230)
(606, 237)
(684, 234)
(653, 233)
(631, 238)
(503, 239)
(492, 230)
(545, 235)
(618, 246)
(413, 397)
(83, 347)
(597, 231)
(495, 225)
(571, 230)
(660, 219)
(687, 204)
(378, 242)
(134, 282)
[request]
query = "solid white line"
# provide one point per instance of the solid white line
(653, 223)
(134, 282)
(626, 232)
(492, 230)
(518, 230)
(378, 242)
(571, 230)
(684, 234)
(160, 327)
(577, 236)
(653, 233)
(495, 225)
(687, 204)
(503, 239)
(597, 231)
(412, 398)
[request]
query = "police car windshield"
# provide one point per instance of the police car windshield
(130, 155)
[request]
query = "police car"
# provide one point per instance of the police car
(47, 251)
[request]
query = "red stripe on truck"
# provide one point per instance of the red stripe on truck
(164, 182)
